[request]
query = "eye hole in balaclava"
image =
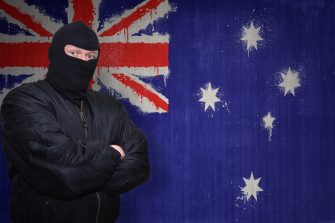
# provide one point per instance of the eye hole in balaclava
(69, 75)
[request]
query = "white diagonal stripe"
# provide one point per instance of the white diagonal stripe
(128, 93)
(46, 21)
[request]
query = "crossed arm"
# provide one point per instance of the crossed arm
(58, 166)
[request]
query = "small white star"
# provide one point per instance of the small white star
(268, 123)
(251, 188)
(290, 81)
(209, 96)
(251, 36)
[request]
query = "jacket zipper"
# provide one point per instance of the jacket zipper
(86, 134)
(83, 118)
(98, 211)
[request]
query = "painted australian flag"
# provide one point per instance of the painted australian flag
(236, 98)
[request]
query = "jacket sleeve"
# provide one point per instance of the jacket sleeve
(45, 156)
(134, 169)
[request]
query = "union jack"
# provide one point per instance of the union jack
(126, 60)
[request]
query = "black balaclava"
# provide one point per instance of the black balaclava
(69, 75)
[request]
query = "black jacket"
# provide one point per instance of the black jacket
(61, 164)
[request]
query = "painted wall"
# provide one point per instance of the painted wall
(236, 98)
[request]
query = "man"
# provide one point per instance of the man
(71, 151)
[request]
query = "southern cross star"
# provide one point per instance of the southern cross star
(209, 96)
(268, 123)
(290, 81)
(251, 36)
(251, 187)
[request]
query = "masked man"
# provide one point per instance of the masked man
(71, 151)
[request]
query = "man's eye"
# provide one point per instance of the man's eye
(73, 53)
(91, 57)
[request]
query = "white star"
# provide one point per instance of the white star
(209, 96)
(290, 81)
(251, 36)
(251, 188)
(268, 123)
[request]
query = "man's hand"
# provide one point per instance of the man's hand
(120, 150)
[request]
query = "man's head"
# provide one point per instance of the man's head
(73, 56)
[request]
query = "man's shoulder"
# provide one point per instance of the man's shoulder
(26, 88)
(104, 100)
(33, 89)
(101, 96)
